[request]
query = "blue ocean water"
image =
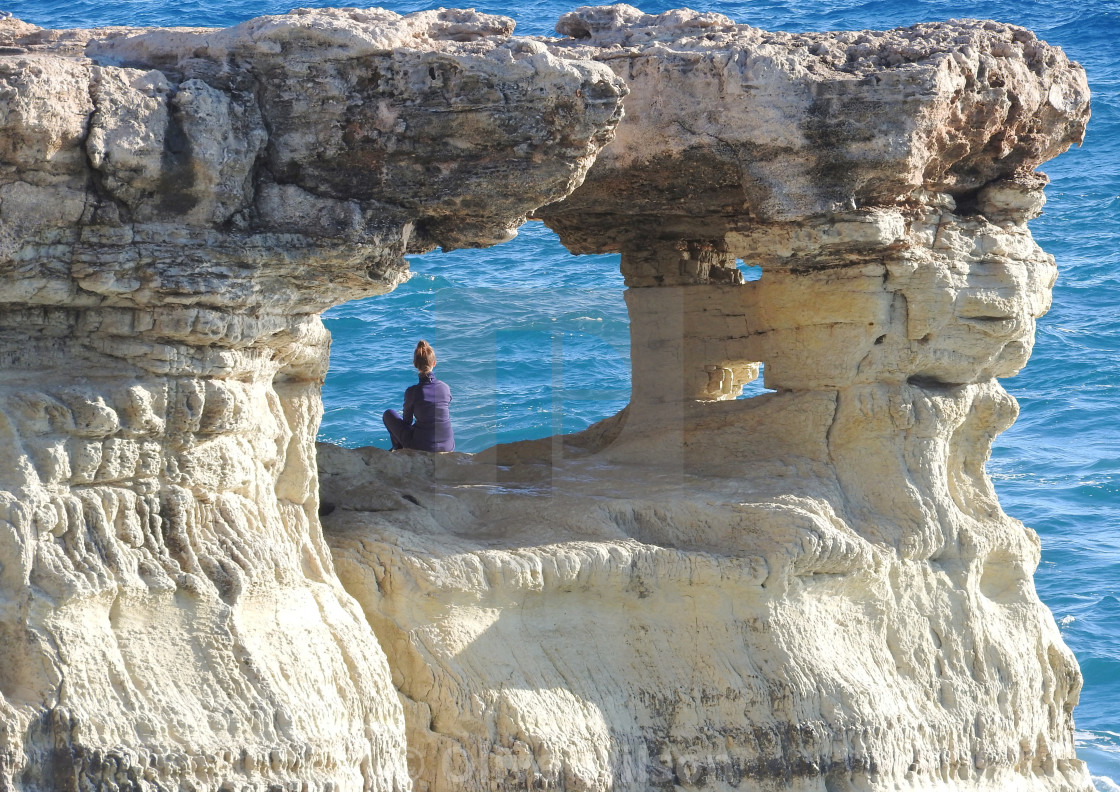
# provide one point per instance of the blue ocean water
(533, 340)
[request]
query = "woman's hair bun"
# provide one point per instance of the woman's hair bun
(424, 358)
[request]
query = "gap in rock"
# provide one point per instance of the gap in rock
(751, 272)
(531, 339)
(756, 387)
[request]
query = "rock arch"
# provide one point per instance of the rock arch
(813, 589)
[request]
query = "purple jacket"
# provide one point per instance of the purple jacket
(428, 403)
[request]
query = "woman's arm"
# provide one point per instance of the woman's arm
(409, 405)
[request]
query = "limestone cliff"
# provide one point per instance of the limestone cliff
(176, 208)
(815, 589)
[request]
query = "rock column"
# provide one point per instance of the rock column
(815, 588)
(883, 182)
(682, 296)
(169, 604)
(170, 231)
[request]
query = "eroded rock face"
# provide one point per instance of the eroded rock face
(176, 208)
(879, 179)
(781, 126)
(833, 601)
(814, 589)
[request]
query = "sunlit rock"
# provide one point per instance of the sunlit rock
(813, 589)
(176, 208)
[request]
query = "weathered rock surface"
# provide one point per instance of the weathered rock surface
(176, 208)
(767, 127)
(836, 161)
(835, 602)
(815, 589)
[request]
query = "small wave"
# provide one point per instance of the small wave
(1105, 784)
(1066, 621)
(1103, 739)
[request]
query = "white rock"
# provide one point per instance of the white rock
(814, 589)
(176, 208)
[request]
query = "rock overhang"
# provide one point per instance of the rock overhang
(181, 204)
(868, 173)
(331, 141)
(728, 125)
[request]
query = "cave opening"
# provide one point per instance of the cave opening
(756, 386)
(532, 340)
(750, 272)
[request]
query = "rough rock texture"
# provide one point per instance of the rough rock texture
(176, 208)
(832, 160)
(814, 589)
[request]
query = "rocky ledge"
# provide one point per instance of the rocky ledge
(814, 589)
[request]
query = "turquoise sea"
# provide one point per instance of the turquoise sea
(533, 340)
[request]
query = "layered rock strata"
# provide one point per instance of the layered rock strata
(813, 589)
(176, 209)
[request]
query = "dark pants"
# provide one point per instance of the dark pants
(399, 433)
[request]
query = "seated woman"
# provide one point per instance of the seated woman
(426, 423)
